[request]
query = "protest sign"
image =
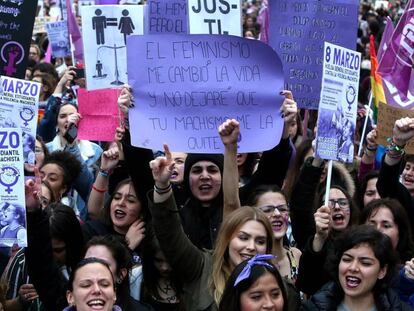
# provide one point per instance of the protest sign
(59, 38)
(104, 30)
(338, 104)
(297, 33)
(82, 3)
(40, 24)
(12, 200)
(59, 10)
(215, 17)
(100, 116)
(166, 17)
(387, 115)
(187, 85)
(16, 25)
(19, 100)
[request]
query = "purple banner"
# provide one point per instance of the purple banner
(392, 95)
(297, 33)
(100, 2)
(16, 26)
(166, 17)
(396, 63)
(187, 85)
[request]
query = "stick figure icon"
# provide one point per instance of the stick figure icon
(126, 26)
(99, 25)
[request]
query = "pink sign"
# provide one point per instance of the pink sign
(99, 111)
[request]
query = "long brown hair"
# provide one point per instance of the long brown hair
(222, 267)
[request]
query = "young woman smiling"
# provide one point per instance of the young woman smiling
(243, 234)
(362, 269)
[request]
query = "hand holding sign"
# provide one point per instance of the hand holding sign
(409, 269)
(403, 131)
(322, 223)
(372, 139)
(125, 99)
(33, 191)
(288, 111)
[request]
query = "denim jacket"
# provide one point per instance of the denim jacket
(87, 153)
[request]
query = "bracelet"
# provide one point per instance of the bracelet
(103, 173)
(97, 189)
(393, 155)
(393, 146)
(162, 190)
(371, 149)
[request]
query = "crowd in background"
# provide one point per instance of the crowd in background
(114, 227)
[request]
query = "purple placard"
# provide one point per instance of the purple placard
(166, 17)
(297, 33)
(187, 85)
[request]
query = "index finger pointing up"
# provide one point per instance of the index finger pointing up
(167, 152)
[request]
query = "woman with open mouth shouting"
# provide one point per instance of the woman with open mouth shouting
(362, 269)
(330, 220)
(243, 234)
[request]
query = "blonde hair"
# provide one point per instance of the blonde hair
(222, 267)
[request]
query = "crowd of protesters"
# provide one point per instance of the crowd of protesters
(111, 226)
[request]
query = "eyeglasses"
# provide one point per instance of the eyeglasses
(270, 209)
(343, 203)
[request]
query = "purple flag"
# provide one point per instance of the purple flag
(263, 20)
(187, 85)
(396, 63)
(75, 34)
(100, 2)
(392, 95)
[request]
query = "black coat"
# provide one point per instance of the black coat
(330, 297)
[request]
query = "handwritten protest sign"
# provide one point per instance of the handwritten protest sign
(12, 200)
(104, 30)
(297, 32)
(40, 24)
(187, 85)
(59, 38)
(16, 25)
(166, 17)
(387, 115)
(100, 116)
(19, 101)
(215, 17)
(338, 104)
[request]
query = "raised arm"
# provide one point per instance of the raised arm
(186, 259)
(43, 271)
(368, 158)
(136, 159)
(109, 160)
(229, 133)
(388, 184)
(274, 163)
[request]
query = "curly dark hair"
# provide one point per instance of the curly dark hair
(69, 164)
